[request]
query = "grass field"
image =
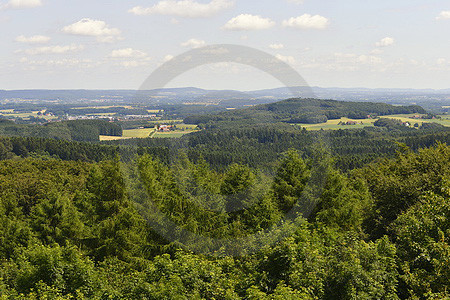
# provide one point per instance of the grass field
(183, 129)
(172, 134)
(104, 107)
(138, 133)
(112, 138)
(333, 124)
(166, 122)
(129, 134)
(11, 113)
(102, 114)
(445, 120)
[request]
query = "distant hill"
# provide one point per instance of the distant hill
(309, 111)
(430, 99)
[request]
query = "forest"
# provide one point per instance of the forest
(76, 130)
(299, 110)
(73, 229)
(269, 210)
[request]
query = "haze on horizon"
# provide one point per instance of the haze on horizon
(50, 44)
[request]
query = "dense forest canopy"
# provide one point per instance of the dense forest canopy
(81, 230)
(76, 130)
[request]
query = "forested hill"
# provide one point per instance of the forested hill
(309, 111)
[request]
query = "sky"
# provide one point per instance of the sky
(116, 44)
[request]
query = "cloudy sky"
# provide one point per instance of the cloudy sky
(117, 44)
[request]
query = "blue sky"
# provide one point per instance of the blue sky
(117, 44)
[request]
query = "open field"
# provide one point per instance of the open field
(166, 122)
(11, 113)
(186, 127)
(104, 107)
(183, 129)
(102, 114)
(333, 124)
(129, 134)
(112, 138)
(138, 133)
(172, 134)
(445, 120)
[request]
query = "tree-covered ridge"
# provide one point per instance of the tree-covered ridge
(309, 111)
(76, 130)
(81, 230)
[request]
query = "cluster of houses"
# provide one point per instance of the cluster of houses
(165, 128)
(45, 113)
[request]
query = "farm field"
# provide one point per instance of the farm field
(104, 107)
(102, 114)
(12, 113)
(333, 124)
(129, 134)
(172, 134)
(112, 138)
(445, 120)
(182, 129)
(138, 133)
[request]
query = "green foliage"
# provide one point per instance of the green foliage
(343, 202)
(63, 269)
(422, 235)
(78, 230)
(398, 184)
(79, 130)
(291, 178)
(237, 187)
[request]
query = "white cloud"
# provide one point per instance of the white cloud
(168, 57)
(249, 22)
(387, 41)
(193, 43)
(444, 15)
(129, 58)
(35, 39)
(276, 46)
(296, 1)
(21, 4)
(369, 59)
(52, 50)
(307, 21)
(441, 61)
(89, 27)
(133, 63)
(376, 51)
(184, 8)
(62, 63)
(287, 59)
(127, 53)
(353, 62)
